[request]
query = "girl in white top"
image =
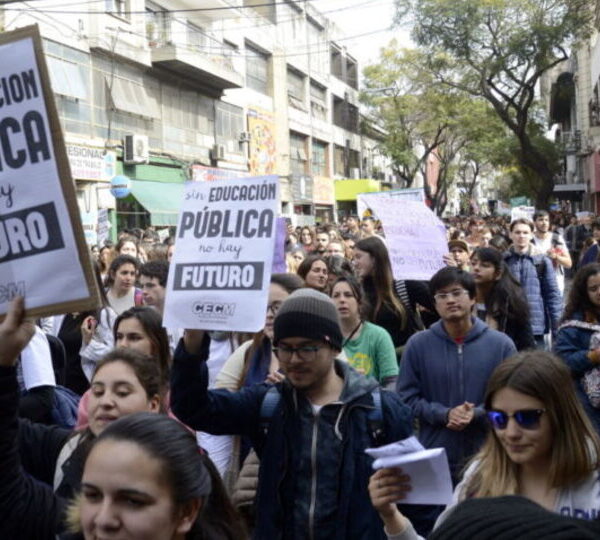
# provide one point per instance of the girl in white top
(541, 446)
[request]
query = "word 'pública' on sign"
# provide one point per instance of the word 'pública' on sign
(227, 224)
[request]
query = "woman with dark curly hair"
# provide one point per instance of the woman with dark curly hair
(578, 338)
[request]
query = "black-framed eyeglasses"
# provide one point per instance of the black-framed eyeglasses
(274, 307)
(526, 418)
(306, 353)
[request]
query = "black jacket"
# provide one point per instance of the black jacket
(29, 509)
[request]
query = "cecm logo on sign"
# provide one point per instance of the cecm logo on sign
(213, 309)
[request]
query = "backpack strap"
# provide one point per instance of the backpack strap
(375, 418)
(65, 453)
(267, 408)
(402, 293)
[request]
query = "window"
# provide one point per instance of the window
(298, 158)
(339, 161)
(351, 73)
(319, 158)
(318, 101)
(336, 62)
(295, 89)
(230, 121)
(130, 97)
(196, 36)
(257, 70)
(118, 7)
(295, 82)
(345, 115)
(67, 79)
(157, 24)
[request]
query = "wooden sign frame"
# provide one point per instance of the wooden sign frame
(92, 300)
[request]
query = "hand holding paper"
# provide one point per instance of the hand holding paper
(428, 470)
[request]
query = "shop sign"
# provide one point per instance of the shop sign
(91, 163)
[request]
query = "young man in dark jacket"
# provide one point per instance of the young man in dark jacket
(445, 370)
(314, 473)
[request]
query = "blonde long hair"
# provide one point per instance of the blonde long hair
(575, 448)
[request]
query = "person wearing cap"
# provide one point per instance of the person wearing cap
(459, 249)
(313, 472)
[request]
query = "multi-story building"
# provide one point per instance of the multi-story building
(571, 93)
(161, 91)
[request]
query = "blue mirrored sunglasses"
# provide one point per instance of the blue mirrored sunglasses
(526, 418)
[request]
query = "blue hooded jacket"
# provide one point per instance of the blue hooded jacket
(313, 472)
(542, 292)
(437, 375)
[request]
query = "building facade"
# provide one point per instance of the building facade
(165, 91)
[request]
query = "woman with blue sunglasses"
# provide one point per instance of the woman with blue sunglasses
(541, 446)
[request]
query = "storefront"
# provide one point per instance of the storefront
(302, 193)
(347, 190)
(92, 167)
(156, 194)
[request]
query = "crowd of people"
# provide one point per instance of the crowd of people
(112, 426)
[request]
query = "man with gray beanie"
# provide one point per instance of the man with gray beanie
(310, 431)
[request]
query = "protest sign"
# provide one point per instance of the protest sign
(362, 201)
(279, 265)
(43, 255)
(220, 273)
(415, 236)
(522, 212)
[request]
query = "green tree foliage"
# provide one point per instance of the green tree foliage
(425, 120)
(498, 50)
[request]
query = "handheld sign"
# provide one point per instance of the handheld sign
(415, 237)
(43, 254)
(220, 273)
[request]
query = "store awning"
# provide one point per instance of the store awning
(162, 200)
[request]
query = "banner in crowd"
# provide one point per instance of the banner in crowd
(363, 205)
(279, 266)
(414, 235)
(43, 254)
(520, 212)
(220, 273)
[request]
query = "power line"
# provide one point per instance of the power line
(126, 12)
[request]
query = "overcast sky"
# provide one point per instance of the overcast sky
(363, 17)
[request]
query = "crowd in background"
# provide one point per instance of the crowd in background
(462, 361)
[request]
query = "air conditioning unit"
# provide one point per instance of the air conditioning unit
(136, 149)
(245, 137)
(217, 152)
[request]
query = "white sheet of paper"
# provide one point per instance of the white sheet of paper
(428, 470)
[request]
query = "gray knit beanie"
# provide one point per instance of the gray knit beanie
(308, 314)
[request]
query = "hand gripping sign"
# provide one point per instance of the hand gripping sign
(43, 255)
(220, 273)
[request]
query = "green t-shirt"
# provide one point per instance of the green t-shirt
(372, 352)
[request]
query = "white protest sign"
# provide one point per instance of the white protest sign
(412, 194)
(415, 237)
(520, 212)
(220, 273)
(43, 255)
